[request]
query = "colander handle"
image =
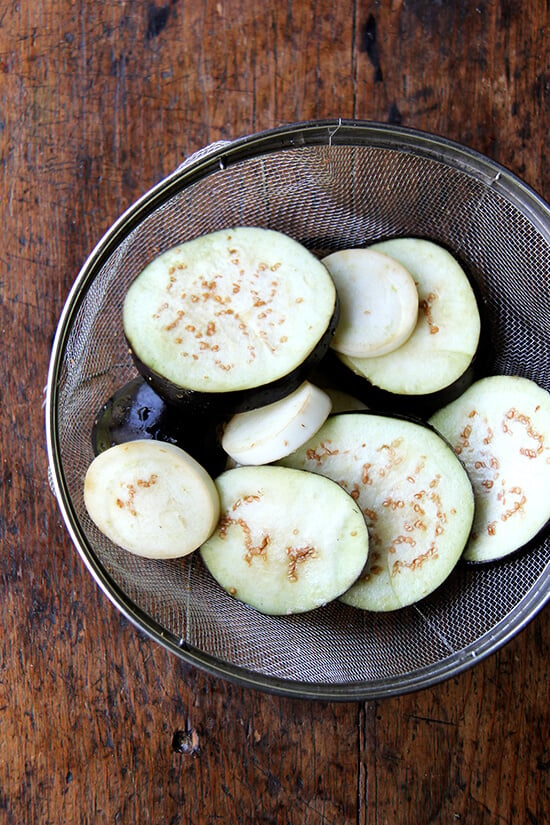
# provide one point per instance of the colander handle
(201, 153)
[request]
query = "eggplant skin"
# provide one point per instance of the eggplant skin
(135, 411)
(228, 403)
(541, 536)
(378, 399)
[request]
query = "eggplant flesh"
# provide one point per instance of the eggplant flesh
(263, 435)
(333, 372)
(230, 402)
(287, 541)
(151, 498)
(135, 411)
(378, 301)
(231, 320)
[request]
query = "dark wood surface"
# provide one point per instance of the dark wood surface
(98, 101)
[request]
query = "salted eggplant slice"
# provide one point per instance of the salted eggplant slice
(378, 302)
(268, 433)
(230, 320)
(287, 541)
(151, 498)
(415, 496)
(136, 411)
(436, 362)
(500, 429)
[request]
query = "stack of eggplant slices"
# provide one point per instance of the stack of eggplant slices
(316, 429)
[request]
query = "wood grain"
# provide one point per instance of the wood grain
(100, 725)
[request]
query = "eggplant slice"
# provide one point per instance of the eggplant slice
(152, 499)
(268, 433)
(287, 541)
(435, 362)
(500, 429)
(415, 496)
(231, 320)
(378, 302)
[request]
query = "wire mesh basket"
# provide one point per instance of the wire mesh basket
(329, 185)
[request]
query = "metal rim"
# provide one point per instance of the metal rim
(308, 133)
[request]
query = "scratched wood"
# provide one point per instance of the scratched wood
(100, 725)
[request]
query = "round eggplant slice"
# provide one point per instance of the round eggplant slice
(231, 320)
(136, 411)
(268, 433)
(287, 541)
(378, 302)
(435, 362)
(414, 494)
(152, 499)
(500, 429)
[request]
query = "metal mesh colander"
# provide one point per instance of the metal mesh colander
(329, 185)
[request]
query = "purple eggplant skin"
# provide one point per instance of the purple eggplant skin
(225, 404)
(529, 546)
(136, 411)
(338, 375)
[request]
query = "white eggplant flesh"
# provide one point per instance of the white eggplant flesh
(447, 333)
(268, 433)
(415, 496)
(287, 541)
(500, 429)
(151, 498)
(229, 311)
(378, 302)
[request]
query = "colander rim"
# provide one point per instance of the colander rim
(336, 131)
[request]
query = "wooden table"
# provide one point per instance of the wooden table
(99, 724)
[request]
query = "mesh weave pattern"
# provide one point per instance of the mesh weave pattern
(326, 197)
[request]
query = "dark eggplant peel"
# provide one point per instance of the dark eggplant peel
(135, 411)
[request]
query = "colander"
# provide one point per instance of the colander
(330, 185)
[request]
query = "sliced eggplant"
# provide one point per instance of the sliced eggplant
(378, 302)
(268, 433)
(437, 361)
(136, 411)
(151, 498)
(231, 320)
(500, 429)
(415, 496)
(287, 541)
